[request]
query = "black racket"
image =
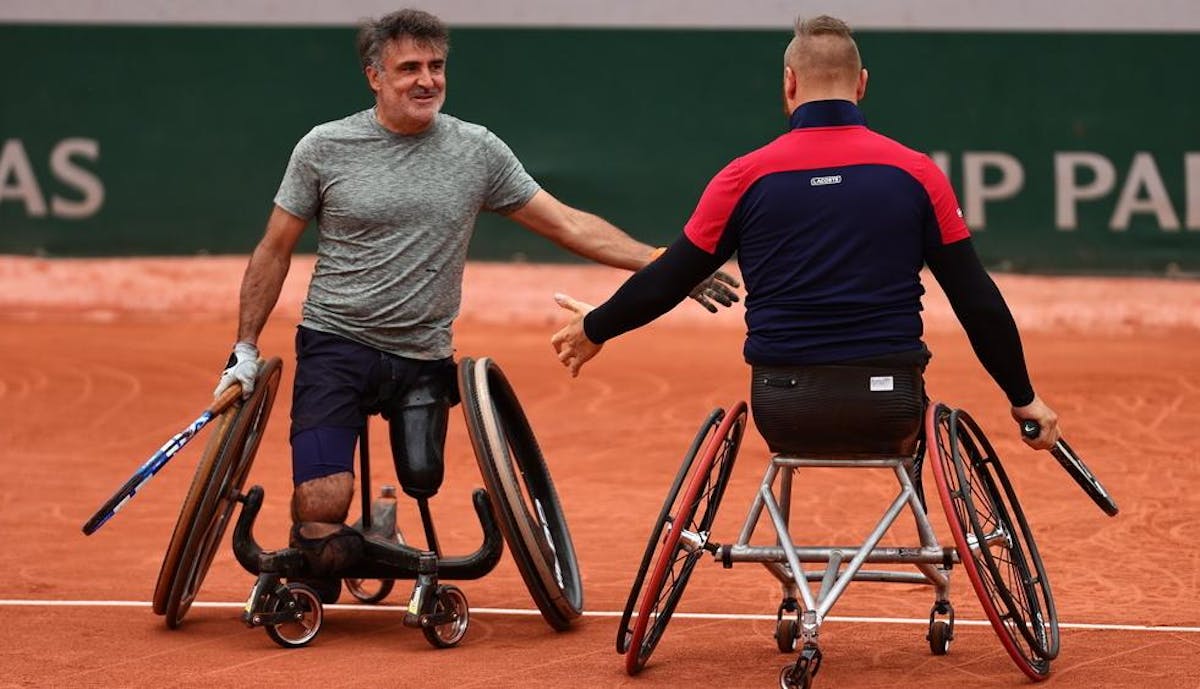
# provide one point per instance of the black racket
(1076, 468)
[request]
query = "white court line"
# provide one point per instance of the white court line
(594, 613)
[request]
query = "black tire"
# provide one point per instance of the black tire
(624, 631)
(209, 505)
(305, 628)
(449, 635)
(521, 491)
(805, 681)
(365, 591)
(939, 637)
(981, 507)
(675, 560)
(787, 631)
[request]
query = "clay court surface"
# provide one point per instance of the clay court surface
(102, 361)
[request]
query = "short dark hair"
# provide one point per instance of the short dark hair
(424, 28)
(821, 26)
(823, 47)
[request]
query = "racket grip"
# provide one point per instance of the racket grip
(1031, 429)
(231, 394)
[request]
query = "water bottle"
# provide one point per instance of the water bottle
(383, 515)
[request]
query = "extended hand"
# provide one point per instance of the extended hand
(242, 367)
(719, 288)
(572, 344)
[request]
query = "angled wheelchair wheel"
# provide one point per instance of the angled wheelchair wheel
(993, 539)
(369, 591)
(686, 539)
(662, 525)
(519, 486)
(220, 475)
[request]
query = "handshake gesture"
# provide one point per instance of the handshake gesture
(573, 347)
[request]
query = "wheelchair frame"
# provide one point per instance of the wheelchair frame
(968, 474)
(519, 505)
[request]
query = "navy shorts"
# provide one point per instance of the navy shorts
(339, 383)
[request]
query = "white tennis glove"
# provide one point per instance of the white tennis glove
(241, 368)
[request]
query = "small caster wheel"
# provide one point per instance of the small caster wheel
(304, 607)
(800, 675)
(787, 630)
(786, 633)
(941, 632)
(446, 626)
(369, 591)
(939, 637)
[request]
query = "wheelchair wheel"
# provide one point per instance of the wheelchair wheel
(994, 541)
(450, 599)
(521, 491)
(687, 539)
(302, 630)
(369, 591)
(662, 525)
(209, 505)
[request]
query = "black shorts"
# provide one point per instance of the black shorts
(867, 407)
(339, 382)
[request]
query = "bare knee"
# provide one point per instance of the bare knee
(323, 500)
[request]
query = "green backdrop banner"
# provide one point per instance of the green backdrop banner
(1069, 151)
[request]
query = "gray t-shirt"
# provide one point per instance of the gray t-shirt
(395, 214)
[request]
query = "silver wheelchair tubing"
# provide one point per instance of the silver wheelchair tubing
(785, 559)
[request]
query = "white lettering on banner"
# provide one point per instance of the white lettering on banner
(1143, 174)
(1191, 173)
(23, 187)
(976, 191)
(1079, 176)
(17, 181)
(1067, 191)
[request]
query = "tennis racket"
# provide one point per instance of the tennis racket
(159, 460)
(1076, 468)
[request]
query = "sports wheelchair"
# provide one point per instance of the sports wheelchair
(992, 543)
(519, 505)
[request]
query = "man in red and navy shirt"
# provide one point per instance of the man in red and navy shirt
(832, 224)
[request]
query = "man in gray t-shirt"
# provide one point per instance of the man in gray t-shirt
(395, 191)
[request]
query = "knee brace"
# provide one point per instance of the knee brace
(417, 429)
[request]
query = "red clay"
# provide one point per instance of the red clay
(103, 360)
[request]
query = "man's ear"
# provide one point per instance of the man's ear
(861, 91)
(373, 78)
(790, 83)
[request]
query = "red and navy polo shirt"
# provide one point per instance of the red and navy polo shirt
(831, 223)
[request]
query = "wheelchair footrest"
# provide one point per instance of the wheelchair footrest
(286, 562)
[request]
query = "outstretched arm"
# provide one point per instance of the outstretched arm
(582, 233)
(993, 334)
(646, 295)
(595, 238)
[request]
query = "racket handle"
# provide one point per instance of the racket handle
(231, 394)
(1031, 429)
